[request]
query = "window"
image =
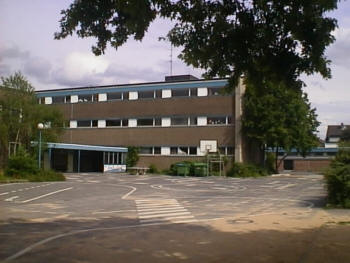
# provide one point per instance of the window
(145, 122)
(157, 121)
(113, 158)
(216, 120)
(157, 150)
(180, 92)
(148, 94)
(41, 100)
(125, 95)
(114, 96)
(193, 120)
(58, 99)
(94, 123)
(146, 150)
(113, 123)
(95, 97)
(85, 98)
(229, 150)
(193, 150)
(222, 150)
(158, 93)
(193, 92)
(176, 121)
(84, 123)
(125, 122)
(229, 120)
(215, 91)
(67, 99)
(183, 150)
(173, 150)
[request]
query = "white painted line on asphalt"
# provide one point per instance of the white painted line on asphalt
(110, 212)
(48, 194)
(285, 186)
(159, 209)
(129, 193)
(166, 219)
(157, 206)
(274, 182)
(164, 215)
(162, 212)
(4, 193)
(10, 199)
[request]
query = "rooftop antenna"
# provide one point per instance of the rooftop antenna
(171, 59)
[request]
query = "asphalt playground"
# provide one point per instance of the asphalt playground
(158, 218)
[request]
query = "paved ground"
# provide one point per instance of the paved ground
(127, 218)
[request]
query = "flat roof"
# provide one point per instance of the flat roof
(131, 87)
(85, 147)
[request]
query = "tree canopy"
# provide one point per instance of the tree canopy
(279, 117)
(20, 114)
(277, 39)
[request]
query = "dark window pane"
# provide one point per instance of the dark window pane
(193, 120)
(222, 150)
(229, 150)
(125, 95)
(179, 93)
(112, 123)
(173, 150)
(193, 92)
(179, 121)
(85, 98)
(149, 94)
(145, 122)
(216, 120)
(158, 93)
(215, 91)
(156, 150)
(193, 150)
(95, 97)
(229, 120)
(183, 150)
(58, 99)
(114, 96)
(157, 121)
(84, 123)
(145, 150)
(125, 122)
(67, 99)
(94, 123)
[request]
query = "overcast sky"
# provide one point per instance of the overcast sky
(27, 45)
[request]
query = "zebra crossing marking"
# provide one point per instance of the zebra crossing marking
(162, 210)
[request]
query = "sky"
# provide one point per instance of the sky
(27, 45)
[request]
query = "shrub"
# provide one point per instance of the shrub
(270, 162)
(132, 157)
(246, 170)
(21, 165)
(338, 180)
(46, 176)
(153, 169)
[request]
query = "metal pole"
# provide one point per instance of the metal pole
(39, 161)
(78, 161)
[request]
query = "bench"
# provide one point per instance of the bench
(139, 170)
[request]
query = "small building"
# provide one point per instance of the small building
(66, 157)
(334, 133)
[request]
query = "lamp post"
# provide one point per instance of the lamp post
(40, 127)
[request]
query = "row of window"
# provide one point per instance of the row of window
(114, 158)
(181, 150)
(134, 95)
(153, 122)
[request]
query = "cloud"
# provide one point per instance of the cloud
(38, 67)
(13, 52)
(338, 52)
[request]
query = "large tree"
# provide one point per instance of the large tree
(275, 116)
(20, 114)
(280, 39)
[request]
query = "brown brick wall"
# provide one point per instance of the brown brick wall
(212, 105)
(152, 136)
(308, 165)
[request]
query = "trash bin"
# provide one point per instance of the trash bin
(182, 169)
(200, 169)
